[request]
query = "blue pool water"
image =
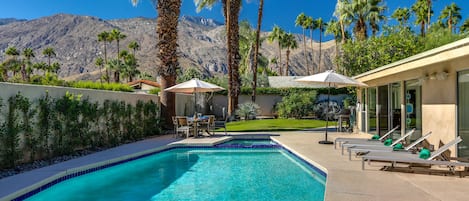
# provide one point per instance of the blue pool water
(249, 142)
(197, 174)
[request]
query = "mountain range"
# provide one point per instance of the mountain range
(201, 44)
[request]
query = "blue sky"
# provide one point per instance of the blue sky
(280, 12)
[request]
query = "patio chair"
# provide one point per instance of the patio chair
(342, 140)
(383, 148)
(394, 158)
(208, 125)
(349, 145)
(183, 126)
(220, 124)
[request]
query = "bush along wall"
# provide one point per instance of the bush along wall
(47, 127)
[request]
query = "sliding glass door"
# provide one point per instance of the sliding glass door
(383, 109)
(413, 107)
(395, 106)
(463, 113)
(371, 110)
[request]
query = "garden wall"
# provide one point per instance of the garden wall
(266, 103)
(34, 92)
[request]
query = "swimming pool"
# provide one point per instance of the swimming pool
(198, 174)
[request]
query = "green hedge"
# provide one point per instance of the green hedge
(55, 127)
(101, 86)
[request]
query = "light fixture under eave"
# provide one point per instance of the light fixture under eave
(442, 75)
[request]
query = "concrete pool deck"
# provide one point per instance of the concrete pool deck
(345, 179)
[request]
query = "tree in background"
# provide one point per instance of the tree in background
(464, 27)
(105, 38)
(421, 9)
(188, 74)
(26, 67)
(117, 36)
(311, 25)
(256, 50)
(129, 69)
(301, 20)
(167, 37)
(321, 27)
(340, 13)
(289, 42)
(452, 14)
(49, 52)
(134, 46)
(402, 15)
(231, 10)
(99, 62)
(277, 34)
(333, 28)
(375, 15)
(11, 63)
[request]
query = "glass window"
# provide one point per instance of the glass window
(395, 106)
(383, 108)
(413, 107)
(463, 113)
(371, 106)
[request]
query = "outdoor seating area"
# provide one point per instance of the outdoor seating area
(197, 126)
(403, 156)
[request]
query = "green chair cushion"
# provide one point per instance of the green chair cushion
(388, 142)
(398, 146)
(424, 153)
(375, 137)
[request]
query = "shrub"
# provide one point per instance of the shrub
(101, 86)
(297, 105)
(155, 91)
(248, 110)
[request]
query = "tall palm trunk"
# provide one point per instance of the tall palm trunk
(105, 61)
(320, 47)
(287, 62)
(304, 52)
(256, 50)
(312, 49)
(342, 30)
(235, 56)
(429, 13)
(167, 36)
(422, 28)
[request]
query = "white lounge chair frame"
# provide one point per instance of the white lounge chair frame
(375, 143)
(394, 158)
(343, 140)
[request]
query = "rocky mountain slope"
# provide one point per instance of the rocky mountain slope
(74, 38)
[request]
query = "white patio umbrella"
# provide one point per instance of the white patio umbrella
(194, 86)
(331, 79)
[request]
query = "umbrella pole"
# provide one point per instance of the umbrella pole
(327, 116)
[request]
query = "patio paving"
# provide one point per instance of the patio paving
(345, 179)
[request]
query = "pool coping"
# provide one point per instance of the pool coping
(48, 182)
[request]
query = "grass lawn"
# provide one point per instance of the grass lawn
(276, 125)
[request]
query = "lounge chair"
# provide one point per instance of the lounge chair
(349, 145)
(398, 157)
(383, 148)
(342, 140)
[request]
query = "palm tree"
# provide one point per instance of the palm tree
(129, 68)
(375, 15)
(117, 36)
(465, 26)
(11, 63)
(429, 12)
(247, 43)
(322, 27)
(54, 68)
(28, 53)
(256, 50)
(333, 28)
(341, 14)
(105, 38)
(100, 63)
(276, 35)
(134, 46)
(231, 10)
(359, 12)
(452, 14)
(311, 25)
(420, 8)
(301, 21)
(289, 42)
(115, 65)
(402, 15)
(166, 28)
(49, 52)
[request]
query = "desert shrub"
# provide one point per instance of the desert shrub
(297, 105)
(248, 110)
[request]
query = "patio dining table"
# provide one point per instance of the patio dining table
(195, 123)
